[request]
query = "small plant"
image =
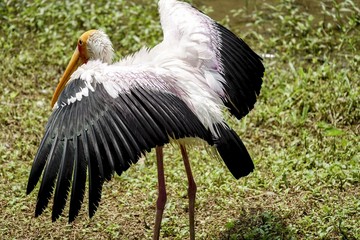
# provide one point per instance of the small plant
(303, 133)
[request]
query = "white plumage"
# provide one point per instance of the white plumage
(106, 115)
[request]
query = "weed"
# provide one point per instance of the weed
(303, 133)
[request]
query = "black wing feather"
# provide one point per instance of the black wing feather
(112, 140)
(105, 172)
(39, 162)
(121, 138)
(104, 148)
(64, 180)
(149, 105)
(101, 134)
(126, 133)
(79, 179)
(175, 122)
(145, 119)
(95, 179)
(134, 133)
(243, 72)
(49, 176)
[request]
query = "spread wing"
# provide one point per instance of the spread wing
(101, 124)
(231, 68)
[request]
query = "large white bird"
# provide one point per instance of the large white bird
(106, 115)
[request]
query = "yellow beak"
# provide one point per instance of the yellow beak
(74, 63)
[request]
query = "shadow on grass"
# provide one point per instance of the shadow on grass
(258, 225)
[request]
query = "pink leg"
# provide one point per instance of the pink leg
(160, 203)
(191, 191)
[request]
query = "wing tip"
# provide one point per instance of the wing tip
(233, 152)
(243, 71)
(30, 187)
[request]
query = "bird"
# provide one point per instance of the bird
(106, 114)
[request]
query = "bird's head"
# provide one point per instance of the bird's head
(91, 45)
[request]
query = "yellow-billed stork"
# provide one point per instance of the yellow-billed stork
(106, 115)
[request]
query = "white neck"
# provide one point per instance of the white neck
(100, 47)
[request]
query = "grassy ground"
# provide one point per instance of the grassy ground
(303, 133)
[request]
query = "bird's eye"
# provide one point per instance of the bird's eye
(80, 42)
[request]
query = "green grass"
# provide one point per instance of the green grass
(303, 133)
